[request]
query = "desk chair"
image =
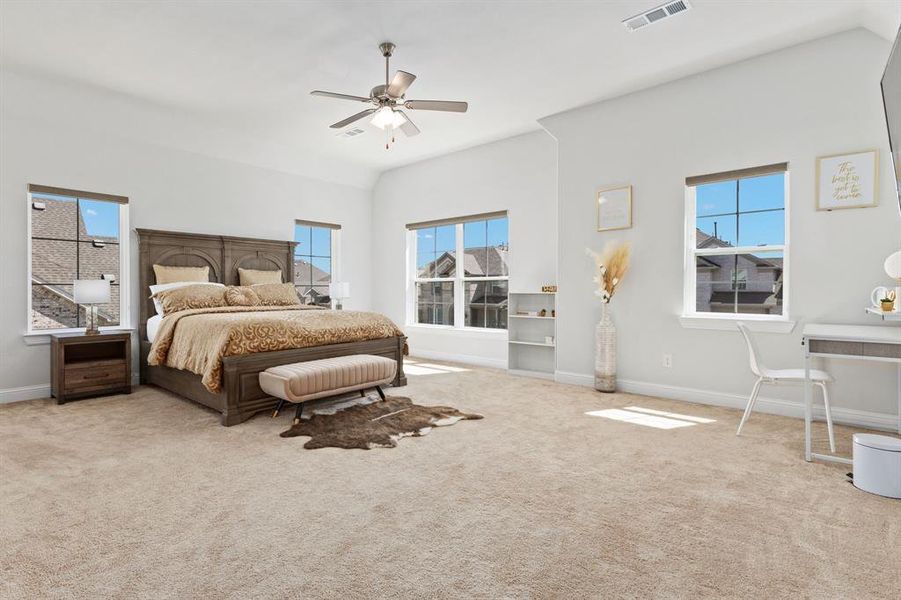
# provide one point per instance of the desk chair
(774, 376)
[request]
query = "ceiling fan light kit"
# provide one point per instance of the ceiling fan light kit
(388, 98)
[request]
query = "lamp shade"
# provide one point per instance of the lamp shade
(893, 266)
(339, 289)
(91, 291)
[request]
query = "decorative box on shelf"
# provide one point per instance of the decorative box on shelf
(84, 366)
(532, 333)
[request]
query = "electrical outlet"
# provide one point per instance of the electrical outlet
(668, 361)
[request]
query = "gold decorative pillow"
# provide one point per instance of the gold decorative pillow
(254, 277)
(241, 296)
(190, 296)
(167, 274)
(276, 294)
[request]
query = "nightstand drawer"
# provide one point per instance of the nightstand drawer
(83, 378)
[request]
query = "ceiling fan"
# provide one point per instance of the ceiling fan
(387, 101)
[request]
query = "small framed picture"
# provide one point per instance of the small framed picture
(848, 180)
(614, 208)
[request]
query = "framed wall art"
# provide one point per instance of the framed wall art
(614, 206)
(848, 180)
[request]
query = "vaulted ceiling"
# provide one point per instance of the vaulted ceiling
(244, 69)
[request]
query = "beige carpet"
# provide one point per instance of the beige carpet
(146, 496)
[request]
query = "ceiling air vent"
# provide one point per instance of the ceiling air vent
(352, 132)
(656, 14)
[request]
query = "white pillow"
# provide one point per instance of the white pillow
(171, 286)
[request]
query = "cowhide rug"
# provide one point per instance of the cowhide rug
(374, 425)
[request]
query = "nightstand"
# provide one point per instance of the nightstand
(84, 366)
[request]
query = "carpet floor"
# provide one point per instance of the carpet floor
(147, 496)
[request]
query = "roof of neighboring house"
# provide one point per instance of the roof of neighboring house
(55, 261)
(477, 262)
(301, 266)
(706, 240)
(744, 297)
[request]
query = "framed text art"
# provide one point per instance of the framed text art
(848, 180)
(614, 207)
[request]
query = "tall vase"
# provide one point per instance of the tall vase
(605, 352)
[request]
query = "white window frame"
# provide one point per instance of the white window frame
(690, 316)
(42, 336)
(458, 280)
(335, 246)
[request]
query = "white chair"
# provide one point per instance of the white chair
(774, 376)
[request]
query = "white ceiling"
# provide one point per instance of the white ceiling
(246, 67)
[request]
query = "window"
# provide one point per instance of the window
(75, 235)
(737, 242)
(314, 260)
(460, 277)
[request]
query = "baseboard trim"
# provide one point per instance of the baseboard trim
(20, 394)
(477, 361)
(774, 406)
(35, 392)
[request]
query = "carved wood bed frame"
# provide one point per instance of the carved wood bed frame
(241, 396)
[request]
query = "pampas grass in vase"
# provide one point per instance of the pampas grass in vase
(611, 266)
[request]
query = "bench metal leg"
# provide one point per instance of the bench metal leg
(381, 393)
(362, 393)
(278, 408)
(298, 413)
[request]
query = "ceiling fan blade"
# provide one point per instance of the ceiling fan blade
(398, 86)
(443, 105)
(339, 96)
(353, 118)
(409, 128)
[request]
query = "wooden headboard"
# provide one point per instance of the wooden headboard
(222, 254)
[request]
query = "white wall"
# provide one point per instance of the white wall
(167, 188)
(815, 99)
(517, 175)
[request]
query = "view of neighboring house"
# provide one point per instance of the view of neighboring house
(485, 301)
(751, 283)
(311, 282)
(63, 250)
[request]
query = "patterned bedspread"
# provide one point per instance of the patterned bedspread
(197, 340)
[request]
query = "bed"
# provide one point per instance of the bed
(238, 395)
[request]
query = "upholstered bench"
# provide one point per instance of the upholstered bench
(304, 381)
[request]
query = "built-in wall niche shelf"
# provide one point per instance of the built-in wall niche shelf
(886, 316)
(530, 352)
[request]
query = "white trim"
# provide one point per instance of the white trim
(727, 321)
(691, 318)
(773, 406)
(39, 392)
(459, 279)
(473, 332)
(20, 394)
(477, 361)
(124, 279)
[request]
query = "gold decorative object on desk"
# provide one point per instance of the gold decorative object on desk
(888, 302)
(549, 289)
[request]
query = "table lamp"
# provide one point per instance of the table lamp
(339, 291)
(91, 292)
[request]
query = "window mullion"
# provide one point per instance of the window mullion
(459, 259)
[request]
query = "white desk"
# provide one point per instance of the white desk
(880, 343)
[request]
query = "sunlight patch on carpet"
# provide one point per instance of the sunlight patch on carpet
(414, 367)
(649, 417)
(672, 415)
